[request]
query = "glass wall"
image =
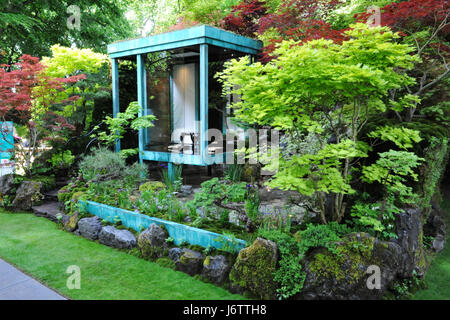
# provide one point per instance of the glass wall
(173, 97)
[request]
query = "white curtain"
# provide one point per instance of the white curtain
(183, 101)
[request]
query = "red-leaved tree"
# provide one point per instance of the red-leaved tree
(299, 20)
(426, 25)
(26, 98)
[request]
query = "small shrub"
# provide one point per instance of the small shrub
(233, 172)
(152, 186)
(103, 164)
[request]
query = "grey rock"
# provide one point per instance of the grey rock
(175, 254)
(439, 243)
(254, 267)
(189, 262)
(216, 269)
(297, 212)
(436, 228)
(409, 229)
(70, 223)
(152, 241)
(49, 210)
(233, 218)
(6, 183)
(27, 195)
(120, 239)
(398, 258)
(267, 194)
(90, 227)
(186, 189)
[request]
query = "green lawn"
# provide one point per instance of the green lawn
(438, 276)
(38, 247)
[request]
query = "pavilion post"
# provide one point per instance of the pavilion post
(115, 93)
(142, 98)
(204, 102)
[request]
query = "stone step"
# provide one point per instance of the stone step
(51, 195)
(49, 210)
(62, 183)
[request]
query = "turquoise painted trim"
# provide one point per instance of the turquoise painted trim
(115, 92)
(142, 97)
(173, 157)
(204, 101)
(231, 46)
(182, 38)
(170, 171)
(179, 232)
(197, 98)
(191, 159)
(171, 101)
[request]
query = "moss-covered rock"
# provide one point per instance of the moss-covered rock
(344, 274)
(48, 182)
(254, 268)
(27, 195)
(70, 223)
(152, 242)
(190, 262)
(216, 268)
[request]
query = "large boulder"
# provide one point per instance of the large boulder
(436, 228)
(216, 269)
(345, 274)
(6, 184)
(152, 241)
(190, 262)
(27, 195)
(254, 268)
(409, 229)
(120, 239)
(90, 227)
(175, 254)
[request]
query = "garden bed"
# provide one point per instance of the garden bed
(179, 232)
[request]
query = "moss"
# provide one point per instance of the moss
(436, 156)
(48, 182)
(207, 261)
(345, 263)
(66, 193)
(152, 186)
(166, 263)
(419, 256)
(254, 270)
(77, 195)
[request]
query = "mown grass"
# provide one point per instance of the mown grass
(438, 276)
(36, 246)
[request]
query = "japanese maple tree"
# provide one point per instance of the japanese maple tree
(299, 20)
(26, 97)
(424, 24)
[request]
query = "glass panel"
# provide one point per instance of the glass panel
(127, 94)
(157, 138)
(173, 97)
(172, 91)
(219, 115)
